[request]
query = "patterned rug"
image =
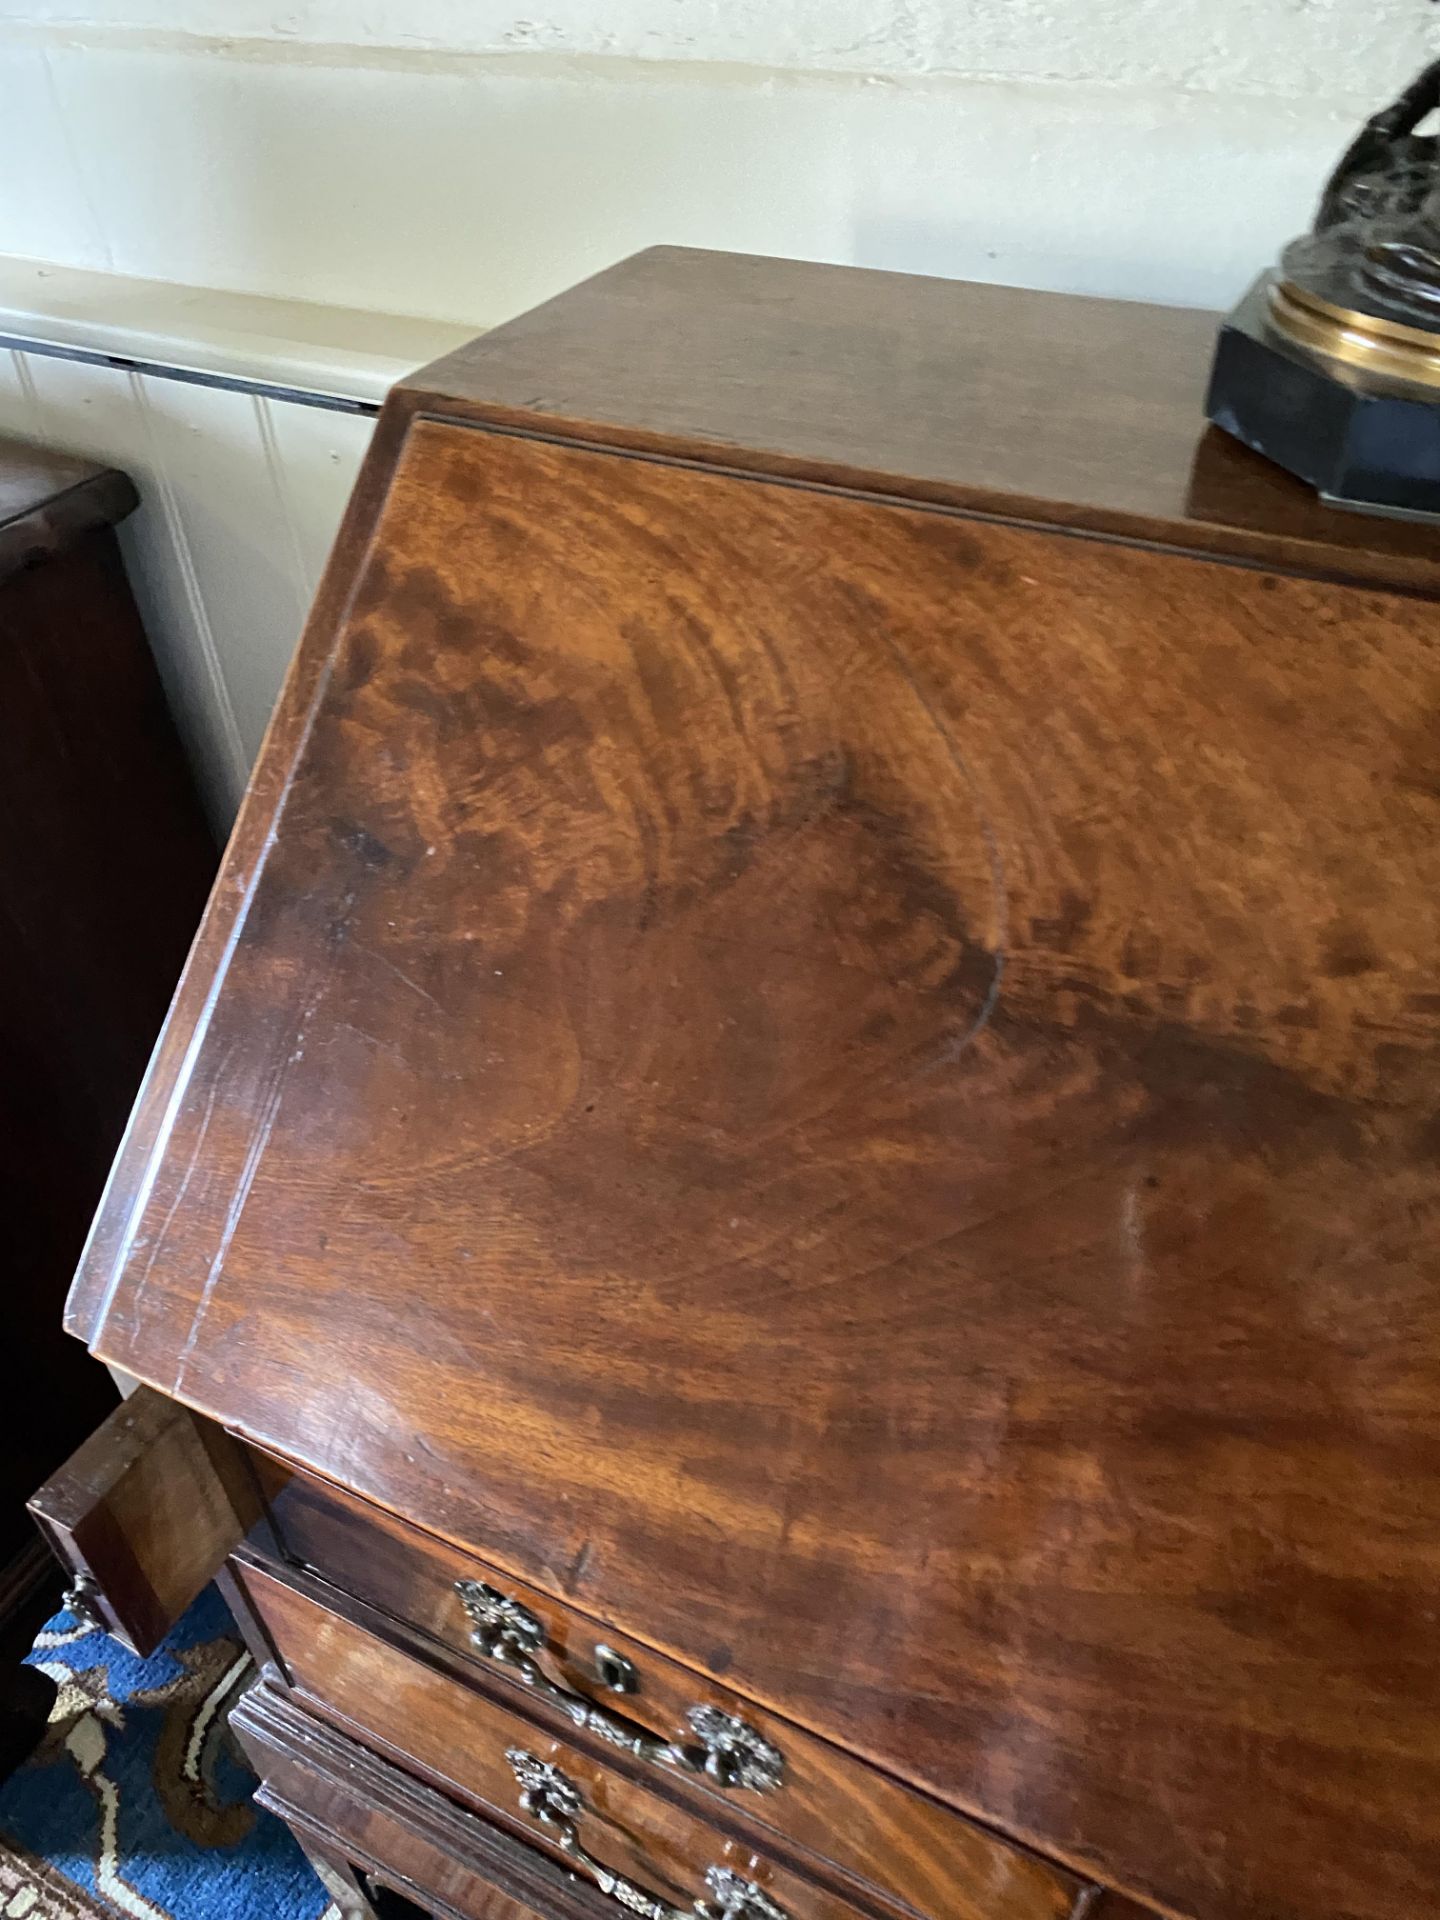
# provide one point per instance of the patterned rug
(136, 1806)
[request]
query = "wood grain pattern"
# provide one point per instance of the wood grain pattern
(145, 1511)
(850, 1089)
(338, 1796)
(1067, 410)
(458, 1736)
(891, 1840)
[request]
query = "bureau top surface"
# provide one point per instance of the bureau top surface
(1067, 410)
(851, 1088)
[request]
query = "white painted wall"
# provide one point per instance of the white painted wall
(460, 159)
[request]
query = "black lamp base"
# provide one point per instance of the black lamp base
(1362, 440)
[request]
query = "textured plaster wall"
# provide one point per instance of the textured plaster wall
(1295, 47)
(460, 158)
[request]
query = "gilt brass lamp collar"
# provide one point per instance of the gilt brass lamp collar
(1364, 341)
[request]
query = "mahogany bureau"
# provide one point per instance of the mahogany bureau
(791, 1194)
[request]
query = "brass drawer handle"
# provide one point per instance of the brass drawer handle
(552, 1798)
(726, 1749)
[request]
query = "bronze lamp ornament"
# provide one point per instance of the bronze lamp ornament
(1330, 365)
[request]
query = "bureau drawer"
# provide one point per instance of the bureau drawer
(889, 1837)
(504, 1766)
(143, 1513)
(346, 1803)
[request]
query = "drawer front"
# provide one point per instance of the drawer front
(906, 1846)
(512, 1771)
(346, 1803)
(142, 1515)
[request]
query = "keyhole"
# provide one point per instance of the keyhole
(617, 1674)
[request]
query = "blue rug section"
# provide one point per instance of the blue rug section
(138, 1798)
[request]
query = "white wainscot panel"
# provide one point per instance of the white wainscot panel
(238, 533)
(315, 455)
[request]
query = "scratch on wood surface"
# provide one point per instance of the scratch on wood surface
(259, 1140)
(404, 979)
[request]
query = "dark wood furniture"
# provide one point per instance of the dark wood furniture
(104, 866)
(800, 1143)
